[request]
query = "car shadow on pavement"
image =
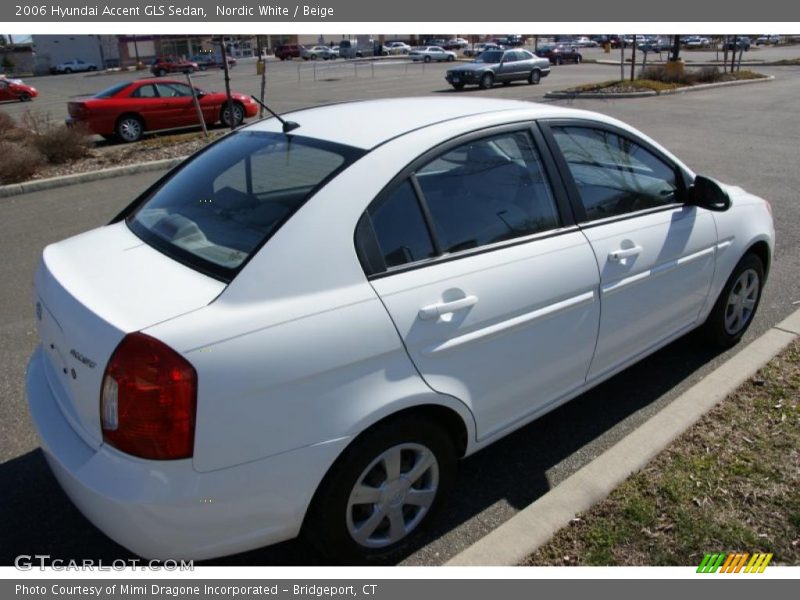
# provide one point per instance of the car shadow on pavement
(513, 472)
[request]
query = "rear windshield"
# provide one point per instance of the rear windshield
(113, 90)
(219, 208)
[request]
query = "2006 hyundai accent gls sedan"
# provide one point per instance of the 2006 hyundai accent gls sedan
(302, 327)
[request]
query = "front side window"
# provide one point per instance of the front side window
(614, 175)
(219, 208)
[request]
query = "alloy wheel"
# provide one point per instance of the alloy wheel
(741, 301)
(392, 495)
(129, 129)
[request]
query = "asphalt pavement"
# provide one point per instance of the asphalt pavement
(745, 135)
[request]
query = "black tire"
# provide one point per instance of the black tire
(486, 81)
(427, 59)
(716, 329)
(535, 77)
(450, 58)
(93, 68)
(238, 114)
(24, 97)
(330, 516)
(458, 86)
(161, 73)
(129, 128)
(67, 70)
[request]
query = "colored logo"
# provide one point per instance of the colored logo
(734, 562)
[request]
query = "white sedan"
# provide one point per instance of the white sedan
(430, 53)
(303, 327)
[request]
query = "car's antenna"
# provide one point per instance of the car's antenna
(287, 125)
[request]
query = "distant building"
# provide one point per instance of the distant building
(102, 50)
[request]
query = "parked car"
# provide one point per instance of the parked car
(656, 45)
(768, 39)
(16, 89)
(289, 51)
(350, 49)
(74, 66)
(398, 48)
(429, 53)
(211, 61)
(164, 65)
(740, 43)
(315, 52)
(510, 41)
(127, 110)
(482, 47)
(560, 54)
(499, 66)
(585, 42)
(456, 44)
(475, 263)
(695, 41)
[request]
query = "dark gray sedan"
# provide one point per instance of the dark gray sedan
(503, 66)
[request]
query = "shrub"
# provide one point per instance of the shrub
(705, 75)
(55, 141)
(20, 162)
(6, 124)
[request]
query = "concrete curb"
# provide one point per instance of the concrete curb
(647, 93)
(533, 526)
(37, 185)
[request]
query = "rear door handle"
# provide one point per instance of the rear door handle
(434, 311)
(618, 255)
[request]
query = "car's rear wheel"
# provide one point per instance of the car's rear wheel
(427, 59)
(67, 70)
(129, 128)
(737, 303)
(161, 72)
(24, 97)
(487, 81)
(535, 77)
(238, 114)
(381, 490)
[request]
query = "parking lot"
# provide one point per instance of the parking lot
(744, 135)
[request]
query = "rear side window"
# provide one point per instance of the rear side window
(228, 200)
(482, 192)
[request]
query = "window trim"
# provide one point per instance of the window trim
(559, 193)
(681, 177)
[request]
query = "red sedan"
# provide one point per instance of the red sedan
(14, 89)
(126, 110)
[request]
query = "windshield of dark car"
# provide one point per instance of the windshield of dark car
(111, 91)
(224, 203)
(490, 56)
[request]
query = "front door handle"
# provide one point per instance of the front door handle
(434, 311)
(621, 253)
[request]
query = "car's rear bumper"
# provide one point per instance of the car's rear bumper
(167, 509)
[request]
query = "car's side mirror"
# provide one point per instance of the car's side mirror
(709, 194)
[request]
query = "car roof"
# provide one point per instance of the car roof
(377, 121)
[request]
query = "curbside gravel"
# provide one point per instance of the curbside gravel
(532, 527)
(647, 93)
(36, 185)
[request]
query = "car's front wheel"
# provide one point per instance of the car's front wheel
(487, 81)
(129, 128)
(737, 304)
(381, 490)
(450, 58)
(161, 72)
(238, 114)
(24, 97)
(458, 86)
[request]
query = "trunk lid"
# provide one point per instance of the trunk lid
(90, 291)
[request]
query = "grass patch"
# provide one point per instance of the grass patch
(729, 483)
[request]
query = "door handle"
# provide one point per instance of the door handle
(434, 311)
(618, 255)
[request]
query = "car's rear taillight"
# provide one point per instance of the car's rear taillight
(148, 400)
